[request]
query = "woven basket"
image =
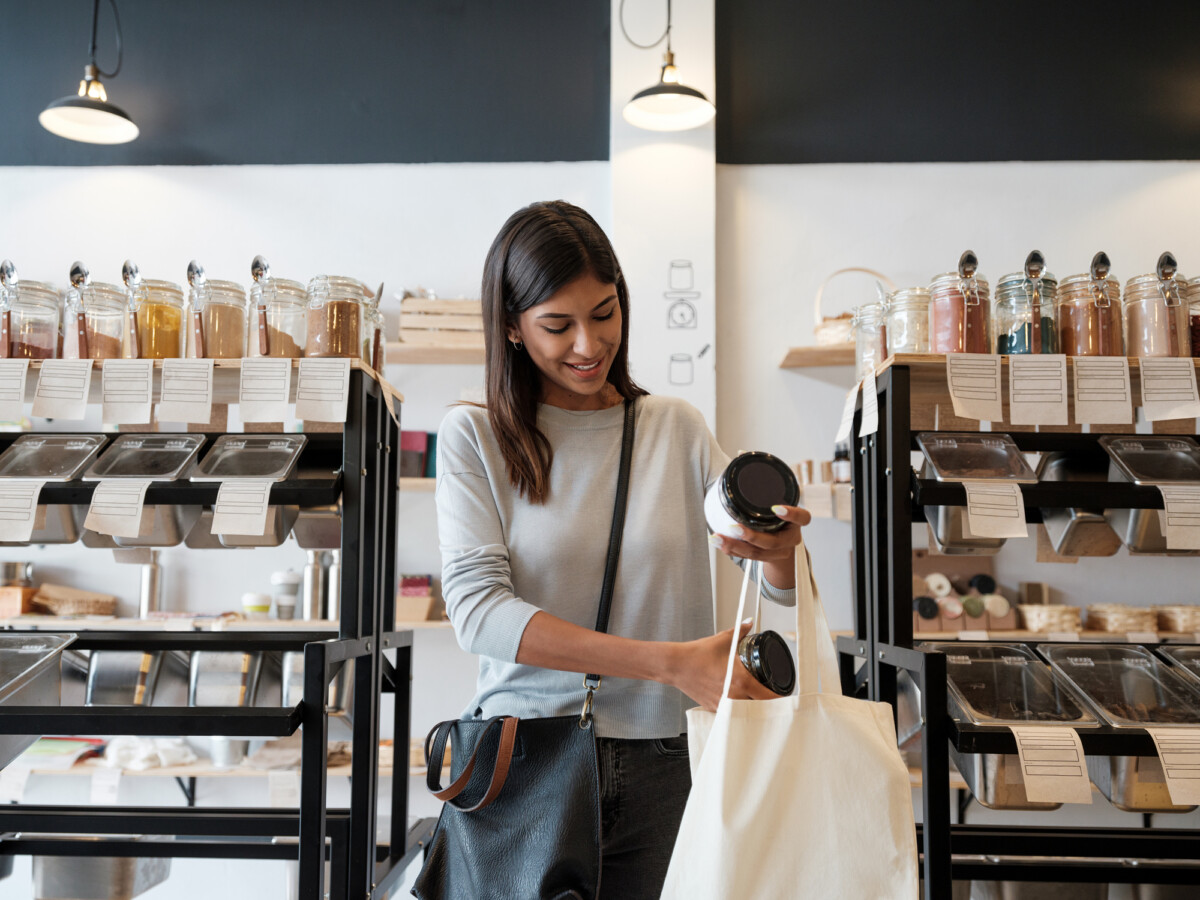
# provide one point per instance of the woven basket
(1116, 617)
(1178, 618)
(830, 330)
(1050, 617)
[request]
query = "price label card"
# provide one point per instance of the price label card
(974, 383)
(1037, 389)
(1179, 753)
(972, 635)
(995, 509)
(323, 390)
(1052, 764)
(847, 421)
(127, 391)
(1063, 637)
(187, 390)
(264, 389)
(117, 507)
(283, 789)
(1142, 637)
(242, 506)
(1169, 389)
(106, 785)
(1180, 516)
(13, 373)
(870, 410)
(62, 389)
(1103, 395)
(18, 508)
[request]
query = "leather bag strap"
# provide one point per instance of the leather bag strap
(618, 527)
(435, 755)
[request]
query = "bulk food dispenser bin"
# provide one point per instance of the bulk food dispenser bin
(1129, 688)
(996, 686)
(56, 458)
(1151, 460)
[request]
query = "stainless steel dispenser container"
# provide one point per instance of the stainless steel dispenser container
(98, 877)
(1077, 532)
(1149, 459)
(30, 675)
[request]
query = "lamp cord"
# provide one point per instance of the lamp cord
(120, 49)
(621, 21)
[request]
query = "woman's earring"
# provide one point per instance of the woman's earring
(517, 345)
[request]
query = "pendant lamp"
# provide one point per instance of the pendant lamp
(88, 116)
(668, 105)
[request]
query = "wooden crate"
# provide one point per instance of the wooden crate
(441, 323)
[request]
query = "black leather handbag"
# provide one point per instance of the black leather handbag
(521, 818)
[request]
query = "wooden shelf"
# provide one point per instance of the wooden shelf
(417, 485)
(812, 357)
(416, 354)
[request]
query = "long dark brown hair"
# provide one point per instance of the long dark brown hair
(541, 249)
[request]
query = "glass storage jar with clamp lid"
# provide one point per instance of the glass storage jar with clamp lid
(907, 321)
(158, 311)
(281, 303)
(334, 316)
(960, 310)
(1088, 313)
(1023, 319)
(94, 322)
(28, 317)
(870, 337)
(218, 320)
(1156, 316)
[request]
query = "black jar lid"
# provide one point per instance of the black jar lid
(926, 607)
(767, 657)
(754, 482)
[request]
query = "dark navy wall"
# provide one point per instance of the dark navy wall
(301, 81)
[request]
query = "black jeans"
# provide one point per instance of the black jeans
(644, 785)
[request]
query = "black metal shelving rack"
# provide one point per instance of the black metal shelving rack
(361, 468)
(887, 499)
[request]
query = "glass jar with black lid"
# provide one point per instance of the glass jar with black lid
(744, 494)
(768, 658)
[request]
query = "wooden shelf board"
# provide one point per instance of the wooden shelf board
(417, 354)
(418, 485)
(811, 357)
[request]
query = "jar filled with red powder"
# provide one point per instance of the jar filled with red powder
(959, 314)
(31, 309)
(1089, 318)
(1156, 317)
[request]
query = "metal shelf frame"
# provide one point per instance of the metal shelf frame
(360, 468)
(887, 499)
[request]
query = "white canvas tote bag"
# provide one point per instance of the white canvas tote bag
(804, 797)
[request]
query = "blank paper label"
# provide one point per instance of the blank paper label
(1103, 395)
(263, 393)
(1179, 753)
(974, 382)
(847, 422)
(106, 785)
(1052, 764)
(12, 389)
(187, 388)
(995, 509)
(127, 391)
(1037, 389)
(241, 507)
(323, 389)
(1169, 389)
(117, 507)
(1180, 516)
(62, 388)
(18, 508)
(870, 410)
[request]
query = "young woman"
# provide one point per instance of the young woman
(524, 505)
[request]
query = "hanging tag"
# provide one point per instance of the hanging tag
(1103, 395)
(1179, 753)
(242, 506)
(62, 389)
(117, 507)
(323, 389)
(1052, 764)
(847, 422)
(187, 390)
(995, 509)
(127, 391)
(974, 383)
(1169, 389)
(106, 785)
(12, 389)
(870, 410)
(1180, 516)
(1037, 389)
(18, 508)
(264, 389)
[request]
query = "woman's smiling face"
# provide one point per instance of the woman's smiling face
(573, 338)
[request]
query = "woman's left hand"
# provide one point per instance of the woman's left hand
(776, 550)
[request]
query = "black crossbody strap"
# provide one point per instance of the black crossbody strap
(618, 527)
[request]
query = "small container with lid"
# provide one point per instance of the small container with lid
(907, 321)
(281, 303)
(158, 311)
(95, 322)
(334, 316)
(870, 337)
(1023, 319)
(959, 314)
(1088, 316)
(1156, 316)
(219, 308)
(29, 311)
(744, 494)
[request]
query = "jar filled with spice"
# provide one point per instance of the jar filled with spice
(158, 311)
(870, 337)
(94, 322)
(31, 309)
(220, 309)
(282, 304)
(1156, 317)
(1193, 300)
(1088, 316)
(959, 314)
(334, 318)
(1023, 319)
(907, 321)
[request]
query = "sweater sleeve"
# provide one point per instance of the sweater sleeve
(488, 618)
